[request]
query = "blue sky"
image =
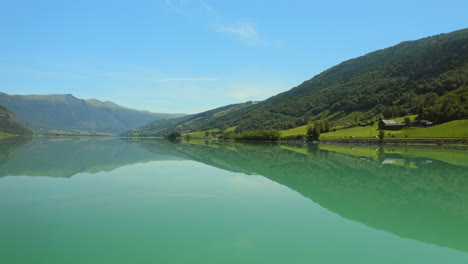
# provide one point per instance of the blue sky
(193, 55)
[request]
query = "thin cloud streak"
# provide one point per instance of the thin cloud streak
(186, 79)
(245, 31)
(76, 73)
(177, 6)
(209, 9)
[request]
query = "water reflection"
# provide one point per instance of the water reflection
(67, 156)
(415, 193)
(8, 147)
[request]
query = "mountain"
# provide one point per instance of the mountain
(197, 122)
(64, 113)
(8, 124)
(428, 77)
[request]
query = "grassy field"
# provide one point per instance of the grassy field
(368, 131)
(361, 132)
(297, 131)
(201, 133)
(231, 129)
(453, 129)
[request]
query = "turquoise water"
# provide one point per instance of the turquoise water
(91, 200)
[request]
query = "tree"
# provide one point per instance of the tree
(381, 134)
(407, 121)
(323, 125)
(207, 134)
(173, 135)
(313, 133)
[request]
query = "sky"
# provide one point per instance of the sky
(188, 56)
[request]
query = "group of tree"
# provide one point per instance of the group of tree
(313, 133)
(173, 135)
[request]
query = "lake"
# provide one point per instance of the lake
(111, 200)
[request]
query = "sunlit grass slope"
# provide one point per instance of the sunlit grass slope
(201, 133)
(453, 129)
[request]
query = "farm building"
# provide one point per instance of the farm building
(390, 125)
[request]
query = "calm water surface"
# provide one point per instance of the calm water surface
(90, 200)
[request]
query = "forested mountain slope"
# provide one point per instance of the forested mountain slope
(197, 122)
(428, 77)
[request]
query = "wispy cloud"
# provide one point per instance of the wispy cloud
(245, 31)
(210, 10)
(177, 6)
(185, 79)
(71, 72)
(187, 8)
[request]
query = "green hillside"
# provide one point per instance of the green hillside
(198, 122)
(64, 114)
(452, 129)
(9, 126)
(426, 77)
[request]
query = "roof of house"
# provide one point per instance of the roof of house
(389, 122)
(392, 123)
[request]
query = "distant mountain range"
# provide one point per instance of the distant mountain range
(65, 114)
(427, 77)
(9, 125)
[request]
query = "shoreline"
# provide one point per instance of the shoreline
(361, 141)
(365, 141)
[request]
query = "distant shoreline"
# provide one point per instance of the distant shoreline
(361, 141)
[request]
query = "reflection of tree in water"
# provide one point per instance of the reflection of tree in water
(313, 148)
(381, 154)
(174, 140)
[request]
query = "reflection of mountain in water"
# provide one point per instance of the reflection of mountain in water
(8, 147)
(426, 201)
(65, 157)
(412, 197)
